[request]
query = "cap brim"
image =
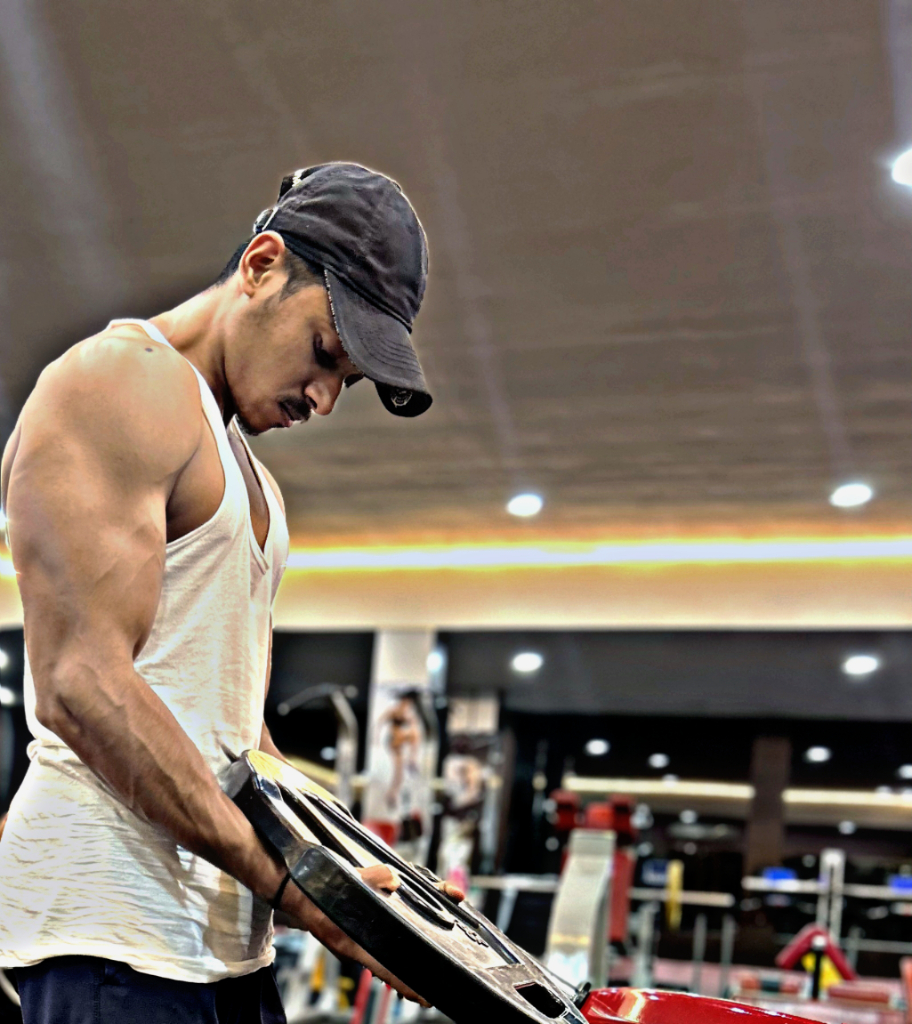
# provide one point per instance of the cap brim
(380, 346)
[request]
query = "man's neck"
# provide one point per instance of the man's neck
(194, 330)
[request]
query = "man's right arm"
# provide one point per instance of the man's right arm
(103, 439)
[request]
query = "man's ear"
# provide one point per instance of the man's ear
(264, 255)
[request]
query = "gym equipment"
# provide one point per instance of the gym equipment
(448, 952)
(611, 1005)
(577, 947)
(297, 999)
(675, 886)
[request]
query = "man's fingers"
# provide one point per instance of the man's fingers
(452, 891)
(380, 876)
(394, 983)
(383, 877)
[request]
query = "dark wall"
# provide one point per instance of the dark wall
(718, 674)
(301, 660)
(864, 754)
(14, 736)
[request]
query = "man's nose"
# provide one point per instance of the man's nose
(324, 393)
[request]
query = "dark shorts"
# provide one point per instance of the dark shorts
(88, 990)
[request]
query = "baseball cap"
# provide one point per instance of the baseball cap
(360, 228)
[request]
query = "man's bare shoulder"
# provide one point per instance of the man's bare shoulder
(121, 391)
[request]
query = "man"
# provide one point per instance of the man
(149, 544)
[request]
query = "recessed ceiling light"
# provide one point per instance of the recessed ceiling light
(658, 760)
(851, 495)
(847, 827)
(597, 748)
(904, 771)
(861, 665)
(527, 662)
(688, 817)
(7, 696)
(902, 168)
(817, 755)
(525, 505)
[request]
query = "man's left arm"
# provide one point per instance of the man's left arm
(267, 745)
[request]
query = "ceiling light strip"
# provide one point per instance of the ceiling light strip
(524, 556)
(685, 788)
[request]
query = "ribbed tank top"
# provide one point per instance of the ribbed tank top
(82, 874)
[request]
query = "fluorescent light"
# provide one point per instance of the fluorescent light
(847, 828)
(861, 665)
(527, 662)
(694, 789)
(688, 817)
(658, 760)
(597, 748)
(435, 662)
(904, 771)
(7, 697)
(817, 755)
(851, 495)
(902, 168)
(525, 505)
(571, 554)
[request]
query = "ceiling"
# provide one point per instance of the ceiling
(670, 281)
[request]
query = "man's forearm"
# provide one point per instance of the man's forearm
(126, 735)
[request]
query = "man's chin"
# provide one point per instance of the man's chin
(248, 428)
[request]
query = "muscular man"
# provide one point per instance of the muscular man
(149, 543)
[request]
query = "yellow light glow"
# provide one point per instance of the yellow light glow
(846, 798)
(573, 554)
(658, 787)
(684, 788)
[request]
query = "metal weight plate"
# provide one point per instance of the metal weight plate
(453, 955)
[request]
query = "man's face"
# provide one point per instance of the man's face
(284, 359)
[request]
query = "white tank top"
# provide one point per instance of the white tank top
(79, 872)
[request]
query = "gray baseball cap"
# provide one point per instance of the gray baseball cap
(360, 228)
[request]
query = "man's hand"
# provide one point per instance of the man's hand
(307, 916)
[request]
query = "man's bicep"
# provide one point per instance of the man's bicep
(101, 441)
(88, 543)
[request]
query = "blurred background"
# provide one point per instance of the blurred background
(643, 570)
